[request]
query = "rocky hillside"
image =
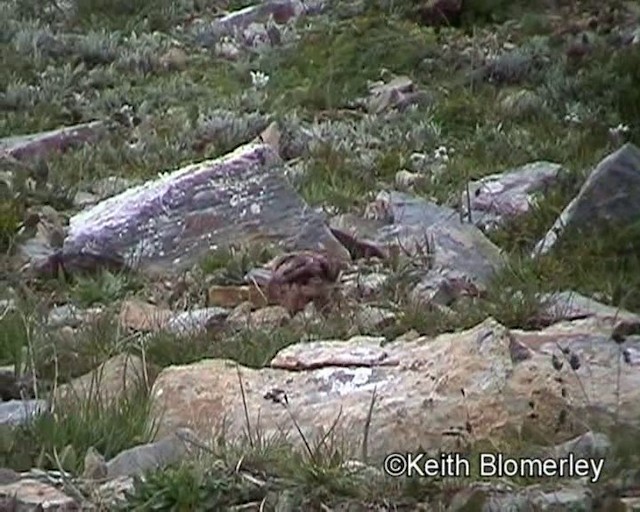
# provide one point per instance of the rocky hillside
(249, 252)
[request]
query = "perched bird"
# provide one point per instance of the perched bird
(299, 278)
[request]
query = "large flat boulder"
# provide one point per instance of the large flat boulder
(169, 223)
(488, 382)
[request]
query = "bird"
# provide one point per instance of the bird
(301, 277)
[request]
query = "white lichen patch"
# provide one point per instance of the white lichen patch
(343, 381)
(118, 210)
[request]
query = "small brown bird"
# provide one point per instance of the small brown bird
(302, 277)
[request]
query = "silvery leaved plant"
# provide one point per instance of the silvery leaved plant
(228, 128)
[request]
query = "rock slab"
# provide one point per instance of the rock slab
(168, 224)
(431, 394)
(500, 197)
(36, 145)
(610, 195)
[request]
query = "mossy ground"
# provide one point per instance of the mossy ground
(64, 66)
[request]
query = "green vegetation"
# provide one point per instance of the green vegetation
(63, 437)
(318, 74)
(117, 60)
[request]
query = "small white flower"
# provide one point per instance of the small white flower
(621, 128)
(572, 117)
(442, 154)
(259, 79)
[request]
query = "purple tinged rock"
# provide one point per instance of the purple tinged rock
(497, 198)
(39, 144)
(168, 224)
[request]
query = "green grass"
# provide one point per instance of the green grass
(332, 177)
(331, 65)
(14, 336)
(64, 436)
(104, 288)
(250, 348)
(11, 218)
(229, 265)
(61, 355)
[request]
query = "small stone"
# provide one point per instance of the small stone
(142, 316)
(588, 445)
(309, 316)
(241, 315)
(232, 296)
(386, 96)
(609, 196)
(196, 320)
(406, 180)
(31, 494)
(568, 497)
(39, 145)
(269, 317)
(228, 50)
(82, 199)
(371, 318)
(365, 286)
(67, 315)
(157, 455)
(408, 336)
(115, 491)
(19, 412)
(8, 476)
(497, 198)
(116, 377)
(95, 466)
